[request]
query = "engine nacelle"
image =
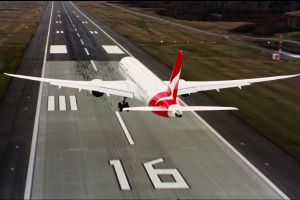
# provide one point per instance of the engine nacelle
(97, 94)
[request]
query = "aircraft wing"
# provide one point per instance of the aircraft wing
(188, 87)
(119, 88)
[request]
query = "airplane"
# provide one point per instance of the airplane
(161, 97)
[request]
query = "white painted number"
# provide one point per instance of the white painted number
(121, 176)
(158, 184)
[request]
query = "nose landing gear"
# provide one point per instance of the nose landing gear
(123, 104)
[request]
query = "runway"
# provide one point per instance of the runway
(80, 141)
(75, 147)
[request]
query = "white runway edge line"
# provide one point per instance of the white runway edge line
(86, 51)
(93, 64)
(29, 178)
(129, 138)
(261, 175)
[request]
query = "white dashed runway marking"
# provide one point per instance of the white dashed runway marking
(93, 64)
(78, 35)
(112, 49)
(58, 49)
(81, 42)
(87, 52)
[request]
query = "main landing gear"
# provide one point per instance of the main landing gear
(123, 104)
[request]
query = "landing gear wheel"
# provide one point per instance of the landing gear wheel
(120, 106)
(123, 104)
(126, 105)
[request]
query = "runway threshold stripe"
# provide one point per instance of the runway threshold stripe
(62, 103)
(93, 64)
(29, 177)
(51, 105)
(73, 103)
(127, 134)
(81, 42)
(268, 181)
(86, 51)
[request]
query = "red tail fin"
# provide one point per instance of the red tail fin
(174, 80)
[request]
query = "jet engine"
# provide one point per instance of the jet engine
(97, 94)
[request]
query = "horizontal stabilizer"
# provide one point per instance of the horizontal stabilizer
(183, 108)
(206, 108)
(146, 108)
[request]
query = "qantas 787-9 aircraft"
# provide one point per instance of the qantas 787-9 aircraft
(161, 97)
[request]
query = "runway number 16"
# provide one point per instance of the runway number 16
(178, 183)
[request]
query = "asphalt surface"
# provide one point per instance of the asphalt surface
(74, 147)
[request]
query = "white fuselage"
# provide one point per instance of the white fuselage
(144, 82)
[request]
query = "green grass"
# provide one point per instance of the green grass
(10, 58)
(271, 108)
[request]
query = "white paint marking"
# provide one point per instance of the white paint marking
(58, 15)
(91, 32)
(179, 182)
(261, 175)
(57, 31)
(93, 64)
(62, 103)
(58, 49)
(51, 105)
(81, 42)
(96, 32)
(272, 185)
(112, 49)
(102, 30)
(77, 16)
(29, 177)
(61, 31)
(128, 136)
(73, 103)
(75, 29)
(78, 35)
(86, 51)
(56, 22)
(121, 176)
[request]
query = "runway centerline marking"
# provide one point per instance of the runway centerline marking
(78, 35)
(81, 42)
(29, 176)
(260, 174)
(86, 51)
(125, 130)
(93, 64)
